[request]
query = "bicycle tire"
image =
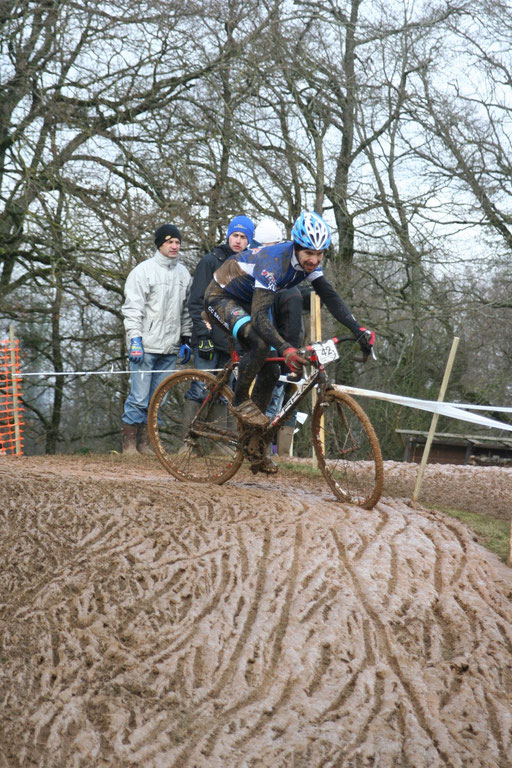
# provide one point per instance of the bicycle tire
(347, 449)
(202, 450)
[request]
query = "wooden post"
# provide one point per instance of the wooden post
(316, 335)
(312, 337)
(435, 418)
(14, 374)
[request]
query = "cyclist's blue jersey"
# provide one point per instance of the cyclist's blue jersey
(271, 267)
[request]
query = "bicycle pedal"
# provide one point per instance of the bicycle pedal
(267, 466)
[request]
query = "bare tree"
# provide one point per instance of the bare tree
(84, 86)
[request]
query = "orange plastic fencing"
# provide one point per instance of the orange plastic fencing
(11, 409)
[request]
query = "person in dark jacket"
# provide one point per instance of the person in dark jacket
(210, 344)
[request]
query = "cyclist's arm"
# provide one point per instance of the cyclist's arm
(262, 301)
(335, 304)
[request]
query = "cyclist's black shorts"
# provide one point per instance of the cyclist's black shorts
(232, 314)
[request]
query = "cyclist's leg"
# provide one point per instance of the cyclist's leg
(251, 364)
(287, 309)
(287, 312)
(234, 317)
(266, 380)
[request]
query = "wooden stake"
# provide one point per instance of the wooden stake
(435, 418)
(316, 335)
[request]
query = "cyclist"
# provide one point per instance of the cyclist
(240, 297)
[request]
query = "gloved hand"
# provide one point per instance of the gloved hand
(206, 349)
(136, 353)
(293, 360)
(366, 341)
(185, 351)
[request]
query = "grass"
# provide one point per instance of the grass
(298, 468)
(492, 533)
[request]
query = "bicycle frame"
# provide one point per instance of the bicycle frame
(199, 444)
(318, 374)
(316, 377)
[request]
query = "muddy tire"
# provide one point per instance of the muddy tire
(199, 447)
(347, 449)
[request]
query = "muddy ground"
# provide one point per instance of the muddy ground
(147, 622)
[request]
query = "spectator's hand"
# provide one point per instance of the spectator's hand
(293, 360)
(136, 354)
(366, 341)
(206, 349)
(184, 353)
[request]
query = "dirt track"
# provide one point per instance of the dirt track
(147, 622)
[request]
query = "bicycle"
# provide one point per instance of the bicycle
(211, 445)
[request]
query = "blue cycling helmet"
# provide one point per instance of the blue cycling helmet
(311, 231)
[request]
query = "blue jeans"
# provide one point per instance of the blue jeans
(276, 404)
(143, 384)
(219, 360)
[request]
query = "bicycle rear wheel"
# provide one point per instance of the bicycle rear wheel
(347, 449)
(194, 441)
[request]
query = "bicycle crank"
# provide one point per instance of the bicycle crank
(254, 448)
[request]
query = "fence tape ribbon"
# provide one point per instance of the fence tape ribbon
(23, 374)
(452, 410)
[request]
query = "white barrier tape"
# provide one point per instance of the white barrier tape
(103, 373)
(453, 410)
(470, 407)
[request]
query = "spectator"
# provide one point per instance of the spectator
(210, 344)
(158, 329)
(267, 232)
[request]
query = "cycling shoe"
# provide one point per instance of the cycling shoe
(267, 466)
(249, 413)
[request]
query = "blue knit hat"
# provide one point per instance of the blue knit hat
(241, 224)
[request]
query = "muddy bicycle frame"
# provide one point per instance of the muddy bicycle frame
(317, 378)
(205, 441)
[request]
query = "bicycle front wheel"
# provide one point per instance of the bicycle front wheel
(347, 449)
(195, 441)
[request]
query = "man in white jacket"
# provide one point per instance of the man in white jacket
(158, 329)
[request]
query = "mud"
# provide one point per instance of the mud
(147, 622)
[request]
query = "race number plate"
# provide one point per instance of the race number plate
(326, 352)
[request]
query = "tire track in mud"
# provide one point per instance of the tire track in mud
(385, 651)
(256, 624)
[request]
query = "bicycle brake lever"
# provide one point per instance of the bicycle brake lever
(364, 358)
